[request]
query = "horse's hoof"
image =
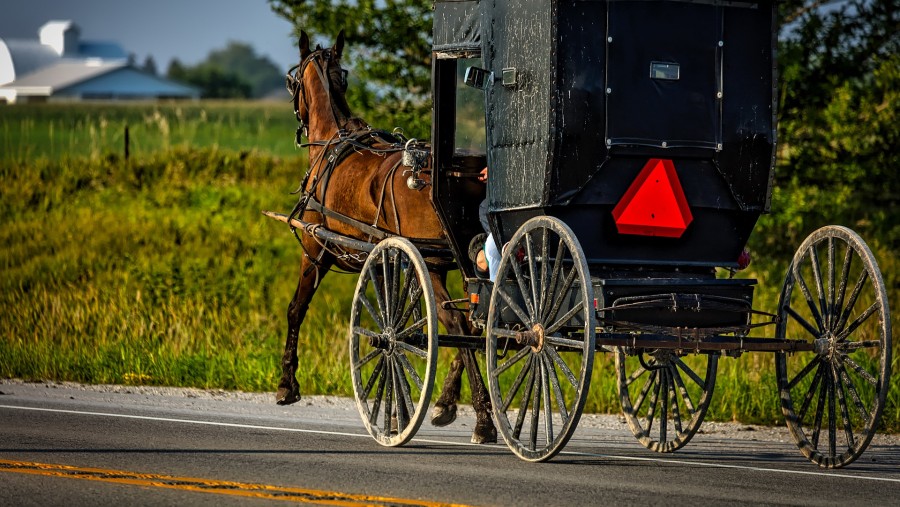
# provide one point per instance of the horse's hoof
(286, 396)
(443, 415)
(484, 433)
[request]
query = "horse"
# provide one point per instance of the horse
(353, 183)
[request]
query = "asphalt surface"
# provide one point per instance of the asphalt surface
(66, 444)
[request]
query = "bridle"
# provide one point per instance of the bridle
(321, 60)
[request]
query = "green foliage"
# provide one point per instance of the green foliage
(388, 48)
(234, 72)
(259, 72)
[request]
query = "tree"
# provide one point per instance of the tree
(213, 82)
(388, 48)
(149, 65)
(259, 72)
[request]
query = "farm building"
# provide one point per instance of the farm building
(59, 66)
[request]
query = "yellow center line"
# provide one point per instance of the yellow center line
(210, 486)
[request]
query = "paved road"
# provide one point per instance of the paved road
(80, 445)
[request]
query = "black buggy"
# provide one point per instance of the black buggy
(631, 149)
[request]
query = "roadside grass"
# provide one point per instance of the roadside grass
(160, 269)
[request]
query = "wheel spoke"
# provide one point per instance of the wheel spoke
(831, 282)
(413, 305)
(535, 407)
(366, 332)
(690, 373)
(858, 321)
(545, 273)
(415, 326)
(845, 413)
(386, 286)
(804, 372)
(565, 318)
(379, 394)
(664, 413)
(533, 275)
(388, 399)
(842, 291)
(548, 411)
(851, 303)
(376, 316)
(520, 313)
(859, 345)
(808, 296)
(375, 373)
(557, 391)
(634, 376)
(404, 395)
(800, 320)
(566, 343)
(809, 394)
(854, 395)
(509, 363)
(685, 396)
(832, 414)
(859, 369)
(409, 348)
(523, 402)
(644, 390)
(820, 289)
(554, 278)
(654, 400)
(520, 281)
(673, 402)
(561, 295)
(379, 296)
(403, 297)
(404, 361)
(820, 410)
(368, 357)
(517, 384)
(564, 368)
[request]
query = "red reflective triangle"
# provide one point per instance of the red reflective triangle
(654, 204)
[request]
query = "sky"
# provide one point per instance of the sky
(166, 29)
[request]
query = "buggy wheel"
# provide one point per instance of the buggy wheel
(834, 297)
(540, 339)
(393, 342)
(664, 395)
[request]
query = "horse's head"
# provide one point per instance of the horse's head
(319, 79)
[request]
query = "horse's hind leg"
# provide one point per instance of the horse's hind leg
(445, 407)
(444, 411)
(288, 388)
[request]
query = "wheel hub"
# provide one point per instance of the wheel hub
(533, 338)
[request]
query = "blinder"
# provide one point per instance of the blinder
(294, 82)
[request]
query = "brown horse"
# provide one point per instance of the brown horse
(354, 183)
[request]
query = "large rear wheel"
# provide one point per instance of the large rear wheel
(834, 297)
(540, 338)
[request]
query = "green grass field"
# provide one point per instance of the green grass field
(161, 269)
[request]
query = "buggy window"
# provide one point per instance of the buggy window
(470, 133)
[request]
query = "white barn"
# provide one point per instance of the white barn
(59, 66)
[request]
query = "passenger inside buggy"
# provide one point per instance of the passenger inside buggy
(482, 249)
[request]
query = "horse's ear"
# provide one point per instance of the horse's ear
(304, 45)
(338, 48)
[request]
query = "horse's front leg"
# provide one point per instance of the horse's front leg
(288, 388)
(445, 407)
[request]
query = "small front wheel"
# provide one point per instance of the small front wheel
(393, 341)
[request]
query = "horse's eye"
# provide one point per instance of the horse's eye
(344, 74)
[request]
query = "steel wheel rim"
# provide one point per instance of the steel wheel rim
(664, 384)
(841, 387)
(393, 342)
(555, 369)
